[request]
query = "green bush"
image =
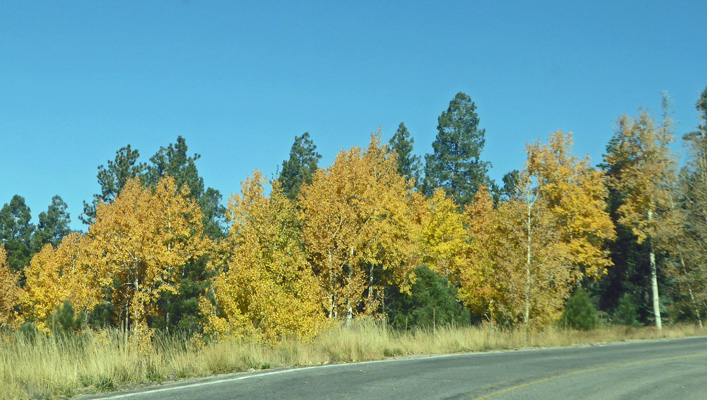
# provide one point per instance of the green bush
(579, 312)
(626, 312)
(65, 321)
(432, 302)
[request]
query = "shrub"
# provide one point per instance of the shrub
(65, 321)
(579, 312)
(626, 312)
(432, 302)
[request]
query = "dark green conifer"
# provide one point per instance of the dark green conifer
(299, 169)
(408, 163)
(455, 164)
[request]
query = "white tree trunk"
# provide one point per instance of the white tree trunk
(654, 280)
(526, 314)
(654, 287)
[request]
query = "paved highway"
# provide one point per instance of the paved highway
(675, 369)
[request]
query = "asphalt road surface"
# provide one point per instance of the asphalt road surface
(666, 369)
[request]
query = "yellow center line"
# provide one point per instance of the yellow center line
(603, 367)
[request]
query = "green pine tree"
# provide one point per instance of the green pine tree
(702, 108)
(506, 192)
(16, 233)
(455, 164)
(112, 179)
(579, 312)
(174, 161)
(53, 225)
(432, 302)
(408, 163)
(299, 169)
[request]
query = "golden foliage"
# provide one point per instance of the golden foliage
(9, 289)
(480, 288)
(444, 245)
(358, 228)
(67, 272)
(142, 240)
(266, 288)
(644, 172)
(532, 260)
(575, 193)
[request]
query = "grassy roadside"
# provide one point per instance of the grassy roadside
(46, 367)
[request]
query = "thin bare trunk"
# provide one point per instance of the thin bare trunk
(689, 290)
(370, 290)
(526, 314)
(331, 295)
(135, 315)
(349, 308)
(654, 280)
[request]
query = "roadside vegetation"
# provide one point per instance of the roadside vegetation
(36, 365)
(376, 255)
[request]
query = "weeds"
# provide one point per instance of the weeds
(51, 366)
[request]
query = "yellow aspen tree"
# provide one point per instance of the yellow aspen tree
(479, 285)
(143, 239)
(575, 194)
(66, 272)
(356, 226)
(532, 259)
(266, 289)
(644, 173)
(9, 290)
(444, 237)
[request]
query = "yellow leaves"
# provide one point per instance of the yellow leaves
(9, 291)
(576, 194)
(358, 228)
(480, 288)
(532, 262)
(547, 237)
(443, 236)
(643, 170)
(64, 273)
(142, 240)
(266, 289)
(136, 249)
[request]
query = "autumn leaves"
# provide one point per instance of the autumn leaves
(132, 253)
(288, 268)
(519, 260)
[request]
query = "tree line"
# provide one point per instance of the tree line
(378, 234)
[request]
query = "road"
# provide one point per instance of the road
(674, 369)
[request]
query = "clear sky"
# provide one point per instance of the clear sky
(239, 80)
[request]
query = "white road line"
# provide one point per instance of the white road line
(255, 375)
(412, 358)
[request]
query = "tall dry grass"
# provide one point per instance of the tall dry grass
(50, 367)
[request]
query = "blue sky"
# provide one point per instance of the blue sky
(239, 80)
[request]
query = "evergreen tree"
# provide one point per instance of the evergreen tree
(455, 164)
(300, 167)
(579, 312)
(431, 303)
(408, 163)
(53, 224)
(174, 161)
(631, 270)
(16, 233)
(112, 179)
(626, 312)
(508, 190)
(180, 309)
(702, 108)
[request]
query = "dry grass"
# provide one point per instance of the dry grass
(47, 367)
